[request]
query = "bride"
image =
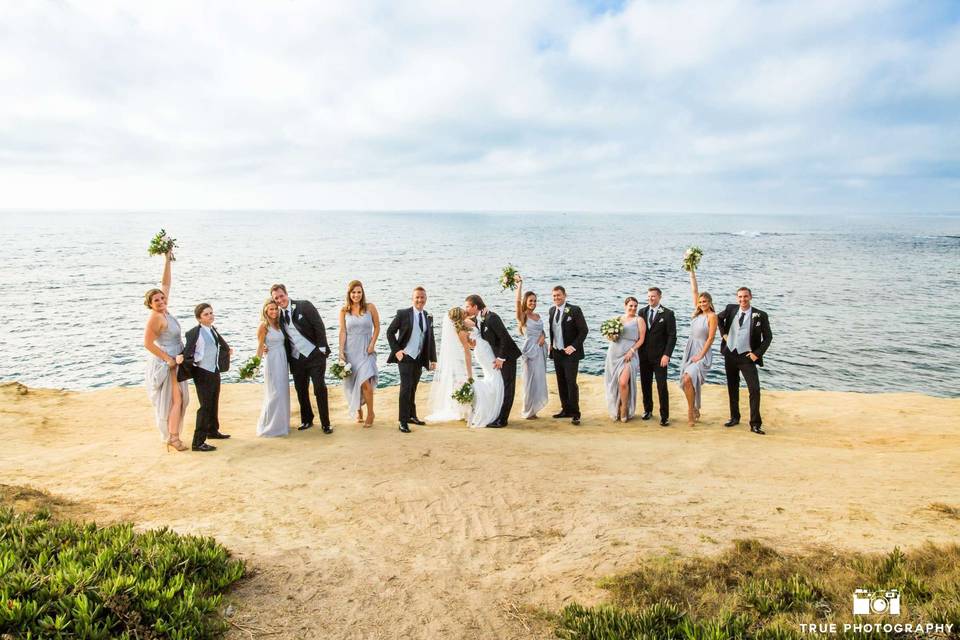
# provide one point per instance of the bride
(453, 370)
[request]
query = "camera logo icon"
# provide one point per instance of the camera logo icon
(866, 602)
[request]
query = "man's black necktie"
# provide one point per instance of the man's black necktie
(650, 316)
(420, 321)
(740, 320)
(286, 315)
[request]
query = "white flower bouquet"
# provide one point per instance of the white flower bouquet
(612, 329)
(691, 258)
(341, 371)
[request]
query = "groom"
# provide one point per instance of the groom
(504, 349)
(568, 330)
(413, 348)
(305, 340)
(655, 354)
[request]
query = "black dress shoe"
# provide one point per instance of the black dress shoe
(327, 429)
(562, 414)
(664, 422)
(731, 423)
(646, 415)
(218, 436)
(404, 428)
(757, 430)
(575, 421)
(305, 426)
(496, 424)
(417, 421)
(203, 446)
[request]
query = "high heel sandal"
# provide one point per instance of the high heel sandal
(370, 418)
(176, 444)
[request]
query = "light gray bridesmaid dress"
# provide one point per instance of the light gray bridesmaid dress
(159, 385)
(699, 330)
(614, 365)
(359, 333)
(275, 413)
(534, 363)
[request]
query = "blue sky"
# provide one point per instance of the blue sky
(636, 106)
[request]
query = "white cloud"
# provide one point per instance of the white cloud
(710, 105)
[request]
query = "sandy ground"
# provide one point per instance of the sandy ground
(454, 533)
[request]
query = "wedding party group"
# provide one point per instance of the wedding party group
(474, 371)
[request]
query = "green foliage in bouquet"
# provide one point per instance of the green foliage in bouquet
(77, 580)
(250, 368)
(162, 244)
(341, 371)
(464, 393)
(691, 258)
(507, 278)
(612, 329)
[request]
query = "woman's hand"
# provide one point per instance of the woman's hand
(517, 278)
(371, 349)
(696, 358)
(341, 360)
(629, 355)
(542, 340)
(179, 359)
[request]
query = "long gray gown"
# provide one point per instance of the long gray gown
(699, 330)
(534, 363)
(275, 413)
(359, 333)
(159, 385)
(614, 366)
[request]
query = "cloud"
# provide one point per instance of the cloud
(546, 104)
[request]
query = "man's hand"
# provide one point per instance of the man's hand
(433, 366)
(231, 352)
(400, 354)
(498, 363)
(664, 361)
(752, 357)
(569, 351)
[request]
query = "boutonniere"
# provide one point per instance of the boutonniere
(566, 310)
(756, 315)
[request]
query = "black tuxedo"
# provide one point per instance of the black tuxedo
(736, 363)
(660, 340)
(504, 348)
(398, 335)
(207, 384)
(573, 328)
(307, 367)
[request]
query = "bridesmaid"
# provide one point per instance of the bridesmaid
(698, 354)
(164, 340)
(533, 352)
(275, 414)
(622, 364)
(359, 330)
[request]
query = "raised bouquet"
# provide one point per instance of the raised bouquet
(507, 279)
(341, 371)
(464, 393)
(612, 328)
(691, 258)
(250, 368)
(162, 244)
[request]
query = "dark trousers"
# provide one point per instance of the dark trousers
(208, 394)
(410, 371)
(735, 364)
(567, 368)
(509, 373)
(649, 370)
(306, 370)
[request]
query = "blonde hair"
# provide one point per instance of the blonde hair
(698, 310)
(458, 317)
(263, 312)
(148, 297)
(348, 305)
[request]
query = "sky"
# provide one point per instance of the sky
(721, 106)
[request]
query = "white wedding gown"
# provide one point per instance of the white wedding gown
(451, 373)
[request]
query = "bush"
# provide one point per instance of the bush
(77, 580)
(753, 592)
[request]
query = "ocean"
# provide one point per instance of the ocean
(856, 303)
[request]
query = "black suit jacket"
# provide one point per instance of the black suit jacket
(306, 319)
(185, 372)
(574, 329)
(760, 334)
(661, 335)
(400, 330)
(493, 331)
